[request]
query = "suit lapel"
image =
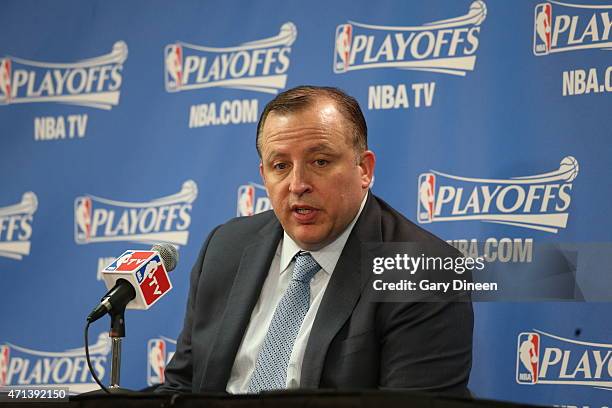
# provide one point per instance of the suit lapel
(249, 279)
(341, 295)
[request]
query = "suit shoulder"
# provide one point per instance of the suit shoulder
(243, 227)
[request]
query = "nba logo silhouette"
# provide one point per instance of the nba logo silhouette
(426, 194)
(344, 34)
(4, 364)
(174, 67)
(156, 361)
(5, 80)
(246, 201)
(82, 219)
(528, 358)
(122, 260)
(542, 29)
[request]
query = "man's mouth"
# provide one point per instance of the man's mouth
(304, 213)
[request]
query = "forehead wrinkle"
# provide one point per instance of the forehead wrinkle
(294, 131)
(289, 134)
(321, 134)
(319, 147)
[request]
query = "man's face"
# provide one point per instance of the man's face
(314, 177)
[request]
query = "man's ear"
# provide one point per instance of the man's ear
(367, 163)
(261, 173)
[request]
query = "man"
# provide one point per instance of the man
(277, 300)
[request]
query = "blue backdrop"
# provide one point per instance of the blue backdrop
(127, 123)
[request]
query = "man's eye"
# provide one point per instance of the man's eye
(321, 162)
(280, 166)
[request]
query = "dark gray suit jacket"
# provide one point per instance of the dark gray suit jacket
(354, 342)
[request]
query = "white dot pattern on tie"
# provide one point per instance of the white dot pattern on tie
(270, 371)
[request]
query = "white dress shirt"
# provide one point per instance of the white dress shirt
(279, 276)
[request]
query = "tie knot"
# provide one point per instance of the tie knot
(305, 267)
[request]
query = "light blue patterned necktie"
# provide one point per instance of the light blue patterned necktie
(271, 366)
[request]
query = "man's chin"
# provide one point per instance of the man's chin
(308, 240)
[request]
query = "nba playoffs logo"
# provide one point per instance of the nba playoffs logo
(93, 82)
(562, 27)
(252, 199)
(528, 358)
(545, 358)
(16, 227)
(28, 367)
(259, 65)
(446, 46)
(158, 356)
(540, 202)
(164, 219)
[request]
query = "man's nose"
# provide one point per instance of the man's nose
(300, 182)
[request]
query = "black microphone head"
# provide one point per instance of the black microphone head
(168, 254)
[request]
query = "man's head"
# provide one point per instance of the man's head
(312, 142)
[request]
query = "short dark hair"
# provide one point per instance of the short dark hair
(302, 97)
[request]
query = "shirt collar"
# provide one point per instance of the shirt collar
(327, 257)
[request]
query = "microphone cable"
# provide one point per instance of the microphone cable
(91, 369)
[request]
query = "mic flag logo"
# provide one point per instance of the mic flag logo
(252, 199)
(151, 276)
(540, 202)
(164, 219)
(158, 357)
(562, 27)
(16, 227)
(259, 65)
(93, 82)
(544, 358)
(528, 355)
(446, 46)
(20, 366)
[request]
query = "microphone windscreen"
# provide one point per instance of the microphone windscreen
(168, 254)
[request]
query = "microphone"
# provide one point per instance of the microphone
(137, 279)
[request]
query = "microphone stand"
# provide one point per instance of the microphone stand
(116, 333)
(123, 294)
